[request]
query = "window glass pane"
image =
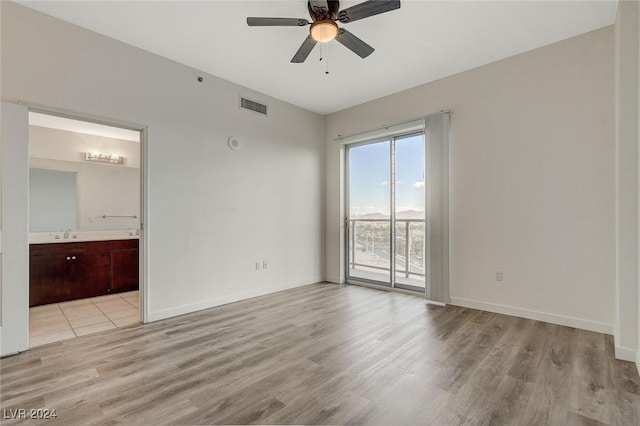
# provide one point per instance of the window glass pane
(369, 216)
(410, 211)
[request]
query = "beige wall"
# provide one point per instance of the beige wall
(212, 212)
(627, 137)
(15, 249)
(532, 179)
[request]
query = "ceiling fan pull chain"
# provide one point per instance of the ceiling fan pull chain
(326, 63)
(324, 56)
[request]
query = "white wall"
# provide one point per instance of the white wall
(103, 189)
(15, 250)
(627, 137)
(212, 212)
(532, 180)
(109, 191)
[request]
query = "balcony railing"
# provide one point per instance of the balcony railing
(370, 248)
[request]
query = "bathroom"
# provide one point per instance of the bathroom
(84, 228)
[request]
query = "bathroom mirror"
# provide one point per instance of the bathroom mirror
(52, 200)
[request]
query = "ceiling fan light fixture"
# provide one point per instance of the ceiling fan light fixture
(324, 30)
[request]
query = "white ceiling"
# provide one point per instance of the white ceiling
(421, 42)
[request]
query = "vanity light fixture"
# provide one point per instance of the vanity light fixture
(102, 157)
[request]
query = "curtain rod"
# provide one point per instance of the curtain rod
(442, 111)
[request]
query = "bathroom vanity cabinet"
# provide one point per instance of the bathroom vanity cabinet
(69, 271)
(124, 265)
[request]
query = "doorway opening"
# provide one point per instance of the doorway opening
(85, 209)
(386, 219)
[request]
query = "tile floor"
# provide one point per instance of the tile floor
(61, 321)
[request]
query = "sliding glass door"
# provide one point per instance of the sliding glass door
(386, 212)
(370, 212)
(410, 211)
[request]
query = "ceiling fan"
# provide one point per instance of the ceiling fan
(324, 14)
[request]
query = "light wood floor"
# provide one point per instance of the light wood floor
(329, 354)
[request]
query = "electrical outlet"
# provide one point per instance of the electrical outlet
(258, 266)
(498, 275)
(264, 264)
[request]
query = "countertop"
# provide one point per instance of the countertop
(81, 236)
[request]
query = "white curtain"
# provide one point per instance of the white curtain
(437, 207)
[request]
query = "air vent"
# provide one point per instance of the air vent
(253, 106)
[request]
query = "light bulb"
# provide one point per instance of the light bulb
(324, 31)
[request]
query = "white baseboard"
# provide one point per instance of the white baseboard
(211, 303)
(583, 324)
(335, 280)
(625, 354)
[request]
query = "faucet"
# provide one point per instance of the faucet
(66, 234)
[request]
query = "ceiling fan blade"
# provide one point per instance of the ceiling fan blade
(354, 44)
(307, 46)
(366, 9)
(277, 22)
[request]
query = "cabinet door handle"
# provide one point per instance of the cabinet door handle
(73, 257)
(68, 258)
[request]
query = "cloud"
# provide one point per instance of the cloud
(419, 184)
(384, 183)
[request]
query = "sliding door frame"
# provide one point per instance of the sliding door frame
(392, 214)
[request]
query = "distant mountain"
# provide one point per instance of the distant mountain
(374, 216)
(407, 214)
(410, 214)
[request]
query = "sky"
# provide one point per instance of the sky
(369, 176)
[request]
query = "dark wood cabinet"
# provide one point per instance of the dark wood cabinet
(69, 271)
(49, 278)
(91, 276)
(124, 266)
